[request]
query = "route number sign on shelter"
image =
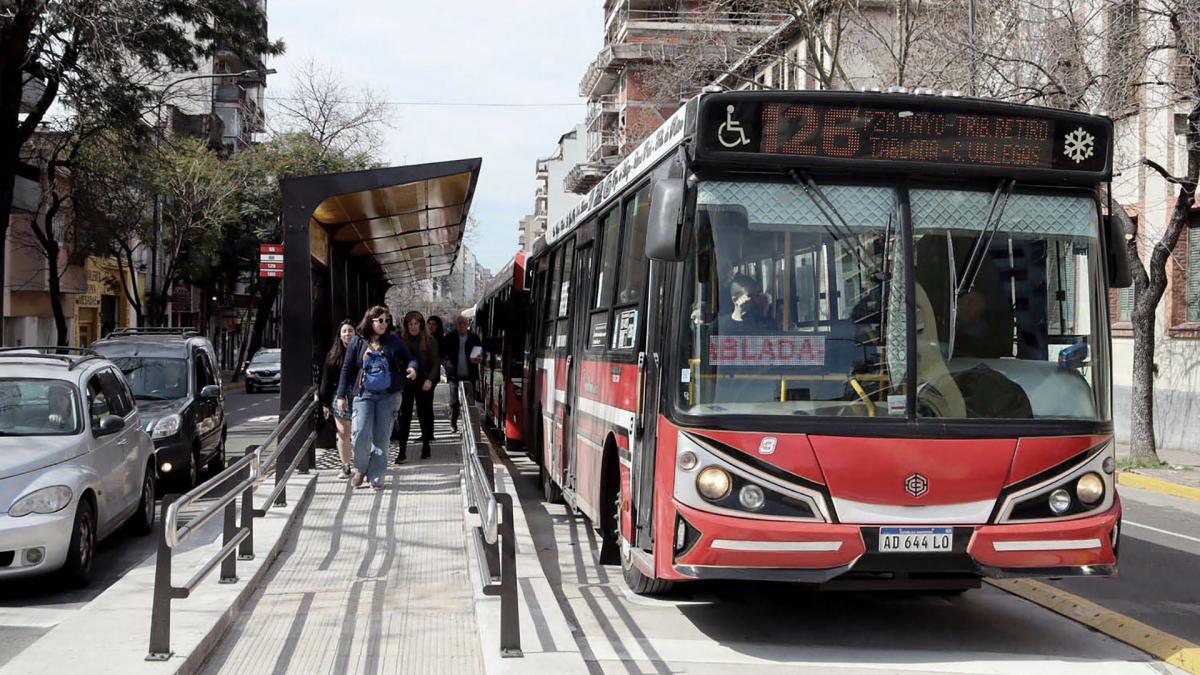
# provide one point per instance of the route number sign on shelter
(270, 261)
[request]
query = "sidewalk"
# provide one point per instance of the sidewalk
(370, 582)
(1184, 467)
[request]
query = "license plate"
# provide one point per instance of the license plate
(916, 539)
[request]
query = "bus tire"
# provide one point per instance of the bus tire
(635, 579)
(551, 493)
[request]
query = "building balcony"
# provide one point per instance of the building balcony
(604, 72)
(583, 177)
(603, 146)
(602, 112)
(644, 23)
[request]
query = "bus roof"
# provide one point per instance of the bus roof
(866, 132)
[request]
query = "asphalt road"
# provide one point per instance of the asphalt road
(1159, 565)
(29, 608)
(728, 628)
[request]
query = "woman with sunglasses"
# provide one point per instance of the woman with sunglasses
(377, 364)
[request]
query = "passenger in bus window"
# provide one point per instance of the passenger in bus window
(419, 391)
(748, 308)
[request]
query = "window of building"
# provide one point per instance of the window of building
(633, 249)
(1125, 305)
(1193, 275)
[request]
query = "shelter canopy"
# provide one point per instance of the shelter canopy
(407, 221)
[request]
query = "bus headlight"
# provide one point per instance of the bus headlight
(713, 483)
(1090, 488)
(1060, 501)
(688, 460)
(751, 497)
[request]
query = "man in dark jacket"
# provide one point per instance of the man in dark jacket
(462, 352)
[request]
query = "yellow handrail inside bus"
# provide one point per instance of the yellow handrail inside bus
(862, 394)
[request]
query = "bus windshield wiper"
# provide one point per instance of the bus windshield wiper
(975, 262)
(835, 224)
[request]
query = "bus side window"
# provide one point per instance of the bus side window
(633, 249)
(607, 230)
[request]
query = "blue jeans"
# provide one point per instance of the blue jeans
(371, 432)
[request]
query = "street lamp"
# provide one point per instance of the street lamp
(158, 134)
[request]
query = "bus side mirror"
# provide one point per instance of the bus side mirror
(1118, 254)
(663, 240)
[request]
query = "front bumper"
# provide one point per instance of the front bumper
(729, 547)
(49, 532)
(263, 381)
(174, 451)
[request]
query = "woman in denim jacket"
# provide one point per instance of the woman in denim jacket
(375, 405)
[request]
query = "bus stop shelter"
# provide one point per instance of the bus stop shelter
(348, 237)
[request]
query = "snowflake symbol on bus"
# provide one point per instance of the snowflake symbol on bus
(1079, 145)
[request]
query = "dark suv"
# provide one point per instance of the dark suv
(178, 391)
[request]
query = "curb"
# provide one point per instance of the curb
(1166, 487)
(1159, 644)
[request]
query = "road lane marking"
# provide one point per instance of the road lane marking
(1159, 644)
(1160, 531)
(1158, 485)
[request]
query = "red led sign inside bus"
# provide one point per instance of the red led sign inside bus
(766, 350)
(852, 132)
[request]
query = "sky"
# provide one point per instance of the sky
(470, 51)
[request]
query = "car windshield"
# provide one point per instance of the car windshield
(39, 408)
(265, 359)
(154, 378)
(796, 292)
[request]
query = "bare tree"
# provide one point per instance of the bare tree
(340, 120)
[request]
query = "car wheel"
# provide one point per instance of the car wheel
(142, 522)
(82, 551)
(249, 388)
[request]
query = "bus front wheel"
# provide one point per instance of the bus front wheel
(635, 579)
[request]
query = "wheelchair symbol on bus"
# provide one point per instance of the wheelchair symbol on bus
(734, 127)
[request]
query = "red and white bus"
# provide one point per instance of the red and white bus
(837, 338)
(500, 319)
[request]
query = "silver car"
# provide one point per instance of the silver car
(75, 464)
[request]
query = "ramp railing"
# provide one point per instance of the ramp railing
(498, 564)
(239, 480)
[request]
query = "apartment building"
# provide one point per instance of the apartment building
(627, 98)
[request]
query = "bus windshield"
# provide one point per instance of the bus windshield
(796, 292)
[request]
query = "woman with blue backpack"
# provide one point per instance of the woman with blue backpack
(377, 363)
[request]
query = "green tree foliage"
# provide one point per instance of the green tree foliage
(109, 53)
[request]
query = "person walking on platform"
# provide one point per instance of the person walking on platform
(419, 391)
(377, 362)
(433, 326)
(462, 354)
(331, 374)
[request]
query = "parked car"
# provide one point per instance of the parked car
(74, 463)
(178, 390)
(263, 371)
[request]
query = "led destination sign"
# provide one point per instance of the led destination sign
(907, 130)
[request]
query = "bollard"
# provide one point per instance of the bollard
(160, 611)
(230, 530)
(510, 617)
(246, 548)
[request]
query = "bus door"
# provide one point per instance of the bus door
(645, 436)
(581, 281)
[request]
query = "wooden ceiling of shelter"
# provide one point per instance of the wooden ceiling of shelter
(413, 231)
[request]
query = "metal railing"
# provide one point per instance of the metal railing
(236, 536)
(495, 511)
